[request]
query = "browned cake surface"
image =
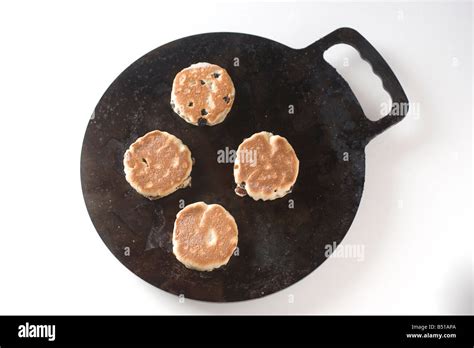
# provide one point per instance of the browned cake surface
(266, 167)
(204, 236)
(202, 94)
(157, 164)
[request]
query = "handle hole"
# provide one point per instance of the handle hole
(367, 87)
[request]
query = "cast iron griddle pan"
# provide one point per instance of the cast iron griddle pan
(280, 241)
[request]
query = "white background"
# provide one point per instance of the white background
(415, 219)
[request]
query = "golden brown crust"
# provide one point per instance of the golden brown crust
(266, 167)
(202, 94)
(157, 164)
(204, 236)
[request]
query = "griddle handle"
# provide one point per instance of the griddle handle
(380, 67)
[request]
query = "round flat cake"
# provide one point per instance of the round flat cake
(157, 164)
(204, 236)
(266, 167)
(202, 94)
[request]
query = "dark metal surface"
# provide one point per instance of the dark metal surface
(280, 241)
